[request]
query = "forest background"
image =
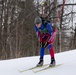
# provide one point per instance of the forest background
(17, 36)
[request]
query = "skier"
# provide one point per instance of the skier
(45, 36)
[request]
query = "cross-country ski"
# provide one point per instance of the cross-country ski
(32, 68)
(47, 67)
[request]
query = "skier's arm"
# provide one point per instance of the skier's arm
(37, 33)
(50, 30)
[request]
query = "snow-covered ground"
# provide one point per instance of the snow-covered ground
(11, 67)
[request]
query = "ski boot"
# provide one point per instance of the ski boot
(40, 63)
(53, 63)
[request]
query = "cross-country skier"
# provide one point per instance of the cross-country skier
(46, 37)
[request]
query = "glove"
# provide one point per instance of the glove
(43, 44)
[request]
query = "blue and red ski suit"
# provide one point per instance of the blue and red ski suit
(46, 34)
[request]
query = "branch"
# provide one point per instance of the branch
(66, 5)
(58, 7)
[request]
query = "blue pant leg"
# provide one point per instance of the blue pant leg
(41, 53)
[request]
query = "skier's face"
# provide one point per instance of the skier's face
(38, 25)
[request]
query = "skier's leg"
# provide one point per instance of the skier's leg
(41, 52)
(51, 51)
(41, 57)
